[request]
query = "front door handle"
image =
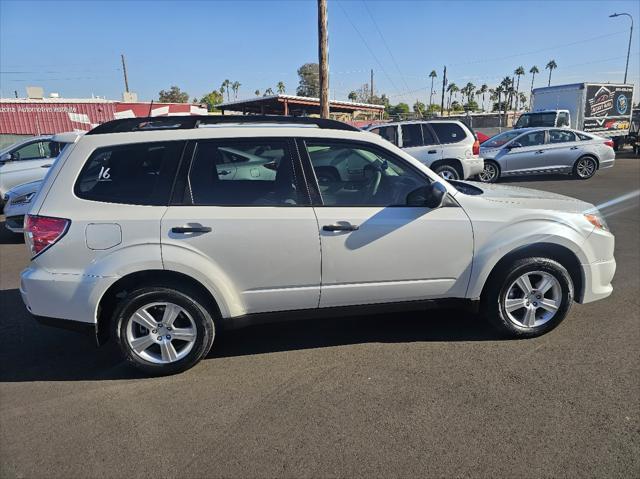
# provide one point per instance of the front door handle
(190, 229)
(539, 152)
(574, 148)
(224, 172)
(432, 152)
(46, 166)
(340, 227)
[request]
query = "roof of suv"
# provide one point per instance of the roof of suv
(409, 122)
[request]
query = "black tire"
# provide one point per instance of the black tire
(485, 177)
(190, 302)
(448, 172)
(587, 162)
(493, 301)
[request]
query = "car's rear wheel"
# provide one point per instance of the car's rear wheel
(490, 173)
(162, 330)
(448, 172)
(529, 297)
(585, 168)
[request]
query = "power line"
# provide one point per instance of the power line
(369, 48)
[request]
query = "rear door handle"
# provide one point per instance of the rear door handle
(46, 166)
(574, 148)
(432, 152)
(539, 152)
(191, 229)
(341, 227)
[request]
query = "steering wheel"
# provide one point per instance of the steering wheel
(376, 176)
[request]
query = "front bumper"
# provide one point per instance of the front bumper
(597, 280)
(472, 167)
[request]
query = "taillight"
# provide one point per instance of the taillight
(609, 143)
(476, 148)
(41, 232)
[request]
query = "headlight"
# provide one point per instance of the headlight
(597, 220)
(22, 199)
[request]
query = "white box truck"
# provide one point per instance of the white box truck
(600, 108)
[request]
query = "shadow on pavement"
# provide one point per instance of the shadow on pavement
(32, 352)
(7, 237)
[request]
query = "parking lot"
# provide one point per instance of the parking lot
(419, 394)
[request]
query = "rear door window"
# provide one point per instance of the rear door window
(244, 173)
(561, 136)
(389, 133)
(427, 135)
(448, 132)
(412, 135)
(138, 174)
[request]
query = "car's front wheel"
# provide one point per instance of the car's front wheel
(163, 331)
(490, 173)
(529, 297)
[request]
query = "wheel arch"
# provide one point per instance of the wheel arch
(156, 277)
(554, 251)
(454, 162)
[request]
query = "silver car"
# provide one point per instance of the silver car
(533, 151)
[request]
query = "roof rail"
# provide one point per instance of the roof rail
(188, 122)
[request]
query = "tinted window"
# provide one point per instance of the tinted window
(561, 136)
(427, 135)
(357, 175)
(389, 133)
(531, 139)
(501, 139)
(28, 152)
(536, 120)
(51, 148)
(563, 119)
(411, 135)
(448, 132)
(139, 174)
(584, 137)
(243, 173)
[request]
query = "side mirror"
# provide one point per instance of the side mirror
(432, 196)
(5, 158)
(513, 145)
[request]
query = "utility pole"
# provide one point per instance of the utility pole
(124, 71)
(630, 36)
(371, 98)
(323, 54)
(444, 86)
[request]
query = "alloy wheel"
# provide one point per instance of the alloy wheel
(161, 332)
(533, 299)
(489, 173)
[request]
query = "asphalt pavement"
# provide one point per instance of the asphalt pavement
(434, 394)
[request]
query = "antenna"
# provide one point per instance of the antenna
(150, 106)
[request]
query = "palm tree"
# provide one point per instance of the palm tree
(533, 71)
(523, 99)
(507, 85)
(353, 96)
(268, 92)
(469, 89)
(235, 86)
(280, 87)
(483, 89)
(433, 75)
(551, 66)
(452, 88)
(225, 86)
(518, 73)
(257, 92)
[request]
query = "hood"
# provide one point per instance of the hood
(25, 188)
(517, 197)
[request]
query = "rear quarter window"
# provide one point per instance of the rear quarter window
(138, 174)
(449, 132)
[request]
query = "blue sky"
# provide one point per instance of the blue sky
(74, 47)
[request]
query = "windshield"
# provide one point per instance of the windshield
(536, 119)
(499, 140)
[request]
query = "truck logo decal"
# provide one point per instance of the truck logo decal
(622, 104)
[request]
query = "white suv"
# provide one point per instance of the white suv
(161, 232)
(448, 147)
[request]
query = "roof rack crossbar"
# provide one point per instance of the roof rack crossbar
(188, 122)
